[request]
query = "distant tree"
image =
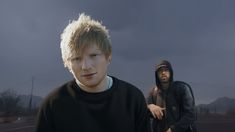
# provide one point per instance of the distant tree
(9, 103)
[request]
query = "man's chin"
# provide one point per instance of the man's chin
(165, 81)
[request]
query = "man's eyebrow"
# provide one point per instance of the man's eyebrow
(97, 50)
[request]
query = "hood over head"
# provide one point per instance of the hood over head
(163, 63)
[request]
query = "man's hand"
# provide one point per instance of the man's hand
(156, 111)
(169, 130)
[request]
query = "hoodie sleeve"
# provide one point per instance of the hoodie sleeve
(187, 112)
(150, 98)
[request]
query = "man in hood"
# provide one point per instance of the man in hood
(171, 103)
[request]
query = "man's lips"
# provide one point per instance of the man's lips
(88, 75)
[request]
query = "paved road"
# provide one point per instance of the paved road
(18, 126)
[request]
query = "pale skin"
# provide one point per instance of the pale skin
(169, 130)
(90, 69)
(157, 111)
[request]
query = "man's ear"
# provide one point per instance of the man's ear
(109, 58)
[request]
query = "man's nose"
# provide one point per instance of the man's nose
(86, 64)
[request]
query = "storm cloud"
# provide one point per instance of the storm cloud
(197, 37)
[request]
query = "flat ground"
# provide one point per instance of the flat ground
(22, 124)
(204, 124)
(216, 124)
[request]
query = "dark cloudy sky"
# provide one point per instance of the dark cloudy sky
(196, 36)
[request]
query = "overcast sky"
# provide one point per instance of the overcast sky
(196, 36)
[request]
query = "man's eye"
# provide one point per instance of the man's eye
(76, 59)
(94, 55)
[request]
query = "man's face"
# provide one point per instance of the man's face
(164, 75)
(90, 68)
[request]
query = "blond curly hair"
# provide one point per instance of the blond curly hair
(82, 33)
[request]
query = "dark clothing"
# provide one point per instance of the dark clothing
(121, 108)
(179, 104)
(178, 100)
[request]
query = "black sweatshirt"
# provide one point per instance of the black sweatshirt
(121, 108)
